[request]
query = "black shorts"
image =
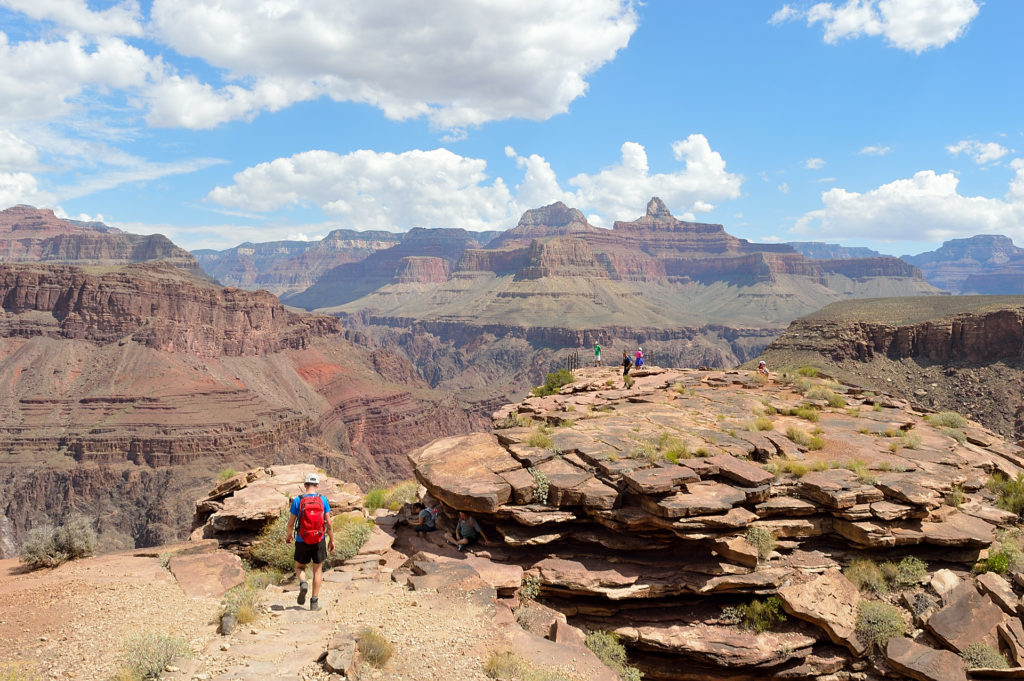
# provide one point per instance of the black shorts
(422, 528)
(310, 553)
(471, 540)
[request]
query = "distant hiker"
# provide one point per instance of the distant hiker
(639, 362)
(762, 368)
(310, 520)
(467, 531)
(597, 355)
(627, 363)
(426, 518)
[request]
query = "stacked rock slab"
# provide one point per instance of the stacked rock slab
(635, 508)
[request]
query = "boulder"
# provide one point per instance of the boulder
(704, 498)
(829, 602)
(743, 472)
(737, 550)
(943, 582)
(959, 529)
(1012, 633)
(970, 617)
(923, 663)
(999, 590)
(464, 471)
(659, 480)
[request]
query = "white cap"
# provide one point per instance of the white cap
(312, 479)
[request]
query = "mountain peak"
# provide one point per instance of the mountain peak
(656, 208)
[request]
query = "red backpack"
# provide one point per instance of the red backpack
(311, 519)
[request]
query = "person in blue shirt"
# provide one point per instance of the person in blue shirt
(306, 553)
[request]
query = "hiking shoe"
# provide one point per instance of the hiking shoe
(314, 604)
(303, 588)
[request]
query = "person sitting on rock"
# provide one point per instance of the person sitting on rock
(309, 523)
(425, 520)
(762, 368)
(467, 532)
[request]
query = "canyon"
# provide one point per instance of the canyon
(126, 386)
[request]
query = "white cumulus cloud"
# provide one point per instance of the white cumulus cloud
(437, 188)
(980, 152)
(814, 163)
(16, 153)
(873, 150)
(459, 63)
(22, 188)
(925, 207)
(911, 25)
(122, 19)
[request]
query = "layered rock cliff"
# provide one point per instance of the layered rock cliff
(29, 234)
(679, 511)
(957, 261)
(130, 387)
(963, 353)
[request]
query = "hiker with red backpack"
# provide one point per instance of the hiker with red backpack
(426, 518)
(310, 520)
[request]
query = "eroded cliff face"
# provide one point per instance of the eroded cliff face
(970, 360)
(127, 390)
(29, 234)
(954, 265)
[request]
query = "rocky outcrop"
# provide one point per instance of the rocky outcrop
(959, 260)
(817, 250)
(636, 509)
(29, 234)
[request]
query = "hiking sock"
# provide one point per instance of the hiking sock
(303, 588)
(314, 603)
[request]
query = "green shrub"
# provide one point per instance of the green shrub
(980, 656)
(628, 381)
(540, 495)
(806, 412)
(859, 467)
(757, 615)
(867, 576)
(374, 647)
(49, 546)
(270, 548)
(957, 435)
(763, 423)
(955, 497)
(245, 602)
(877, 622)
(949, 419)
(226, 474)
(820, 392)
(911, 440)
(808, 371)
(530, 588)
(1005, 555)
(392, 497)
(146, 654)
(795, 468)
(1009, 493)
(539, 438)
(908, 572)
(799, 437)
(553, 382)
(612, 653)
(763, 540)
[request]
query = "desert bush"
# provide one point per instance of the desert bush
(867, 576)
(530, 588)
(808, 371)
(763, 540)
(908, 572)
(539, 438)
(1009, 493)
(146, 654)
(1005, 555)
(806, 412)
(762, 423)
(911, 440)
(553, 382)
(957, 435)
(955, 497)
(820, 392)
(540, 495)
(980, 656)
(245, 602)
(374, 647)
(392, 497)
(795, 468)
(50, 546)
(628, 381)
(948, 419)
(877, 622)
(271, 550)
(798, 436)
(226, 474)
(507, 666)
(757, 615)
(515, 421)
(860, 467)
(612, 653)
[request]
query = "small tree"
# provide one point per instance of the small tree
(50, 546)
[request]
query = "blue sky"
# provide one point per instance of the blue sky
(894, 124)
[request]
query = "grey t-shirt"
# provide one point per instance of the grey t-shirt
(468, 528)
